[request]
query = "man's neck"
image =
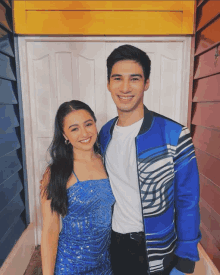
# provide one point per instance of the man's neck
(129, 118)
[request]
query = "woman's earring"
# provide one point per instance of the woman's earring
(67, 142)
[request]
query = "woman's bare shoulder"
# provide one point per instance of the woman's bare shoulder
(45, 180)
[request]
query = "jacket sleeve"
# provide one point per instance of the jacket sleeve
(186, 199)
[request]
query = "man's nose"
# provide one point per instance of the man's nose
(125, 87)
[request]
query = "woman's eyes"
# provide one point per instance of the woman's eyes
(87, 125)
(74, 129)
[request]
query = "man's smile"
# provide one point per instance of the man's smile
(125, 98)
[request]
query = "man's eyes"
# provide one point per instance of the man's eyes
(89, 124)
(132, 79)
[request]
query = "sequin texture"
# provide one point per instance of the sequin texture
(84, 240)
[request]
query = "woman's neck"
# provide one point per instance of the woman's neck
(84, 156)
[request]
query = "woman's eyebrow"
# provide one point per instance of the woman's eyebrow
(88, 120)
(78, 124)
(73, 125)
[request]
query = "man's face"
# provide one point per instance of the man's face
(127, 85)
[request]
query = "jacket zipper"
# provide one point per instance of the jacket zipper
(148, 271)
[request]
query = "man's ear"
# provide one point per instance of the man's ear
(147, 84)
(108, 85)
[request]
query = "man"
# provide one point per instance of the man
(152, 168)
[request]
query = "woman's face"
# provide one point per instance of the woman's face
(80, 129)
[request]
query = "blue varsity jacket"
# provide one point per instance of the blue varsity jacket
(169, 190)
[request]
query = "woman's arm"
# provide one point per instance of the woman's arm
(50, 231)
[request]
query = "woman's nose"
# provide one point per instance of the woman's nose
(84, 132)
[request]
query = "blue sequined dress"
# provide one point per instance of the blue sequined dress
(84, 240)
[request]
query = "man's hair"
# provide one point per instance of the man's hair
(128, 52)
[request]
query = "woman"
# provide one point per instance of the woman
(75, 186)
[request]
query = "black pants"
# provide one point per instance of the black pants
(128, 256)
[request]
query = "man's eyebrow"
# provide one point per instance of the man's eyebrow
(114, 75)
(132, 75)
(73, 125)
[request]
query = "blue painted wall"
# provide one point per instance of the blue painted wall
(14, 210)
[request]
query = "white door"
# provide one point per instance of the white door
(56, 71)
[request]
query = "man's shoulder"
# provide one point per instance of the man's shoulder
(168, 128)
(105, 133)
(107, 125)
(167, 122)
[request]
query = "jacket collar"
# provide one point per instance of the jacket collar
(148, 119)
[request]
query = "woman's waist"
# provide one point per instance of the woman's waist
(88, 217)
(84, 237)
(85, 225)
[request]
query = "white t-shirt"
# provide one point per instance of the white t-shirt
(121, 165)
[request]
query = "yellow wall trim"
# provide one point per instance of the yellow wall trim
(104, 17)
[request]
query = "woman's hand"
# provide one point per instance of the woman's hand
(50, 231)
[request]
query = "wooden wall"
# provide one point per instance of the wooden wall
(204, 120)
(14, 210)
(103, 17)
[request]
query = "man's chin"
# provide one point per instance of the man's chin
(125, 109)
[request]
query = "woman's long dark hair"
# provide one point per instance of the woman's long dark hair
(61, 165)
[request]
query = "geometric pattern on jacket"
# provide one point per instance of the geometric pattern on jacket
(169, 190)
(156, 173)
